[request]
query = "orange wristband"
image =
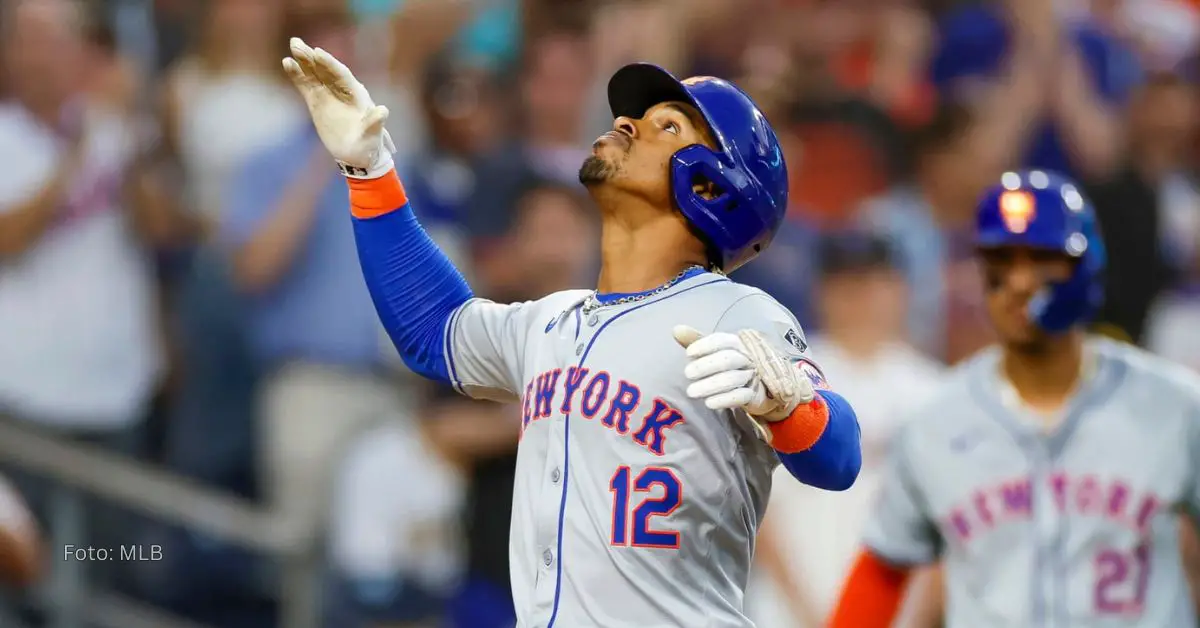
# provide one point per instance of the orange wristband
(371, 198)
(802, 428)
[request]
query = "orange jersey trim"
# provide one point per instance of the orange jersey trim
(371, 198)
(872, 595)
(802, 428)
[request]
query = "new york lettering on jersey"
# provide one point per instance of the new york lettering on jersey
(621, 476)
(587, 392)
(1072, 527)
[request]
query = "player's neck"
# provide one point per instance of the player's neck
(1045, 377)
(641, 251)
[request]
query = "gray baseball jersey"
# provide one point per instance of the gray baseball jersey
(634, 505)
(1075, 527)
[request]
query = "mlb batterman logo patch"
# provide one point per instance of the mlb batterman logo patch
(793, 338)
(1017, 209)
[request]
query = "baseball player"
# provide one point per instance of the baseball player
(656, 407)
(1049, 473)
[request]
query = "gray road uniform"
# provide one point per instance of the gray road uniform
(1074, 527)
(634, 505)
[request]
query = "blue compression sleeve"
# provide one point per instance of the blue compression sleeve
(414, 286)
(834, 461)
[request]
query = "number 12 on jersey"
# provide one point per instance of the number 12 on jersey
(663, 493)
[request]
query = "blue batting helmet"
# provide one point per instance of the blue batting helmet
(1047, 211)
(747, 166)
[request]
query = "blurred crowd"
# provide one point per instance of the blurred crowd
(179, 283)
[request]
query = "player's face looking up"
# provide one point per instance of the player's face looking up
(634, 157)
(1013, 276)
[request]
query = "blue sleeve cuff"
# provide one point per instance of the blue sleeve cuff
(834, 461)
(448, 350)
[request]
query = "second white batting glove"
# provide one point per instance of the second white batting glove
(742, 371)
(348, 122)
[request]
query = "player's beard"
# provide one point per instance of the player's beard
(596, 170)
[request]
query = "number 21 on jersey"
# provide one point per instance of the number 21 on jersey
(658, 492)
(1121, 580)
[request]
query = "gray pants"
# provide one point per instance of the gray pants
(308, 414)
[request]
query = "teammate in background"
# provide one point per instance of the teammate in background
(655, 408)
(1049, 473)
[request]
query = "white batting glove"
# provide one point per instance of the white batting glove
(348, 122)
(742, 370)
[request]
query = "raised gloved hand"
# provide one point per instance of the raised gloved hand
(742, 370)
(348, 122)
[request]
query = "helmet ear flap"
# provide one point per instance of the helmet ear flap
(1061, 305)
(699, 164)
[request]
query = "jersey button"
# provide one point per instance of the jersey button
(593, 319)
(579, 350)
(547, 557)
(555, 475)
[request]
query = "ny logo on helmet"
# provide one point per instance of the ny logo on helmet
(1017, 209)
